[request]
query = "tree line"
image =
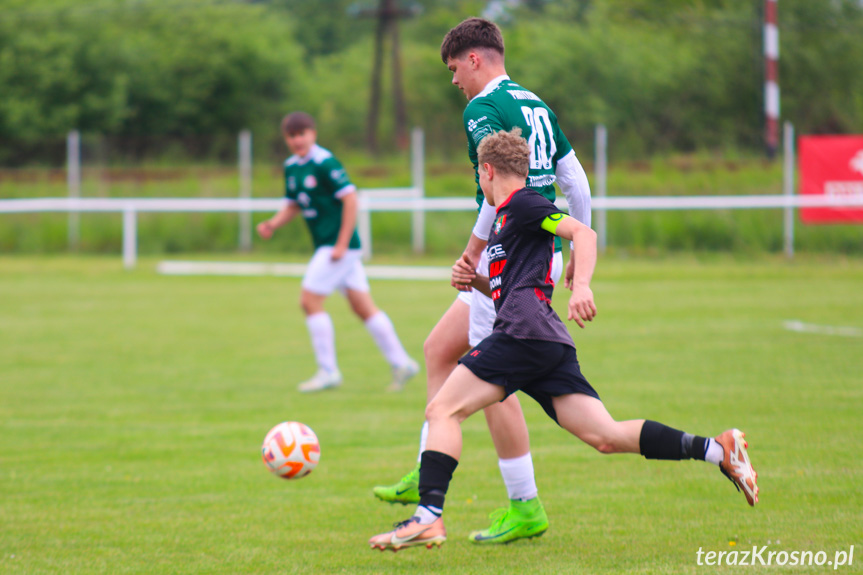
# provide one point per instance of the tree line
(662, 75)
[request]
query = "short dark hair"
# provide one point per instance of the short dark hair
(471, 34)
(297, 122)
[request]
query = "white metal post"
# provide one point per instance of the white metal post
(788, 185)
(364, 227)
(130, 237)
(601, 170)
(73, 182)
(245, 165)
(418, 183)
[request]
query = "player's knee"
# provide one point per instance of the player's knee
(434, 411)
(306, 306)
(310, 304)
(438, 410)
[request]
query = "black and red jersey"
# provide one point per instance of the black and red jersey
(520, 256)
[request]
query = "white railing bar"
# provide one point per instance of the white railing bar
(410, 204)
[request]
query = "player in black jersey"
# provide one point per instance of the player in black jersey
(530, 349)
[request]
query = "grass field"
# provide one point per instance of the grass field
(132, 407)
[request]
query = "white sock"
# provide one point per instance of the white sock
(323, 340)
(714, 452)
(518, 477)
(384, 334)
(427, 515)
(424, 435)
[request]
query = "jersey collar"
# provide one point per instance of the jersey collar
(506, 201)
(300, 161)
(491, 86)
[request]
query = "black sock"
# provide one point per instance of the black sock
(693, 446)
(659, 441)
(436, 471)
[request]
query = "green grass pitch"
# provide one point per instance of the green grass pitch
(133, 405)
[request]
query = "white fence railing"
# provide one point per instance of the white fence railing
(372, 202)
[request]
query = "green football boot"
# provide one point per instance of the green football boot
(522, 520)
(405, 491)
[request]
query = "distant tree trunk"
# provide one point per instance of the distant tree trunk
(387, 15)
(374, 104)
(401, 117)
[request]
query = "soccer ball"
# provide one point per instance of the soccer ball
(291, 450)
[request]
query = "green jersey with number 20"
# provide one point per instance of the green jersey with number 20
(504, 105)
(318, 182)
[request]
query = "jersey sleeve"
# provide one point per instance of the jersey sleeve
(484, 220)
(532, 209)
(575, 187)
(332, 171)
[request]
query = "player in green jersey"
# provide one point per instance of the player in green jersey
(474, 52)
(317, 186)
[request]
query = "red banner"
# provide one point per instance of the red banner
(831, 166)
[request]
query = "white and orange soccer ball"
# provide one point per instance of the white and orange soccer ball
(291, 450)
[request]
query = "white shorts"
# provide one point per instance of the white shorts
(482, 313)
(323, 275)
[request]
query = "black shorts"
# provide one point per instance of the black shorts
(541, 369)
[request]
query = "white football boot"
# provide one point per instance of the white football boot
(321, 380)
(402, 373)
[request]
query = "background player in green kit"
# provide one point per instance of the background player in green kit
(531, 350)
(474, 52)
(317, 186)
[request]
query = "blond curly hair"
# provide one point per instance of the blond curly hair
(507, 152)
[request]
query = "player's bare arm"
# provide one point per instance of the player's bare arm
(472, 253)
(464, 274)
(349, 223)
(282, 217)
(474, 248)
(576, 189)
(583, 259)
(481, 284)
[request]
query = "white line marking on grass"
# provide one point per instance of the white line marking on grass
(186, 268)
(799, 326)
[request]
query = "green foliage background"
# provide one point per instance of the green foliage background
(167, 84)
(661, 75)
